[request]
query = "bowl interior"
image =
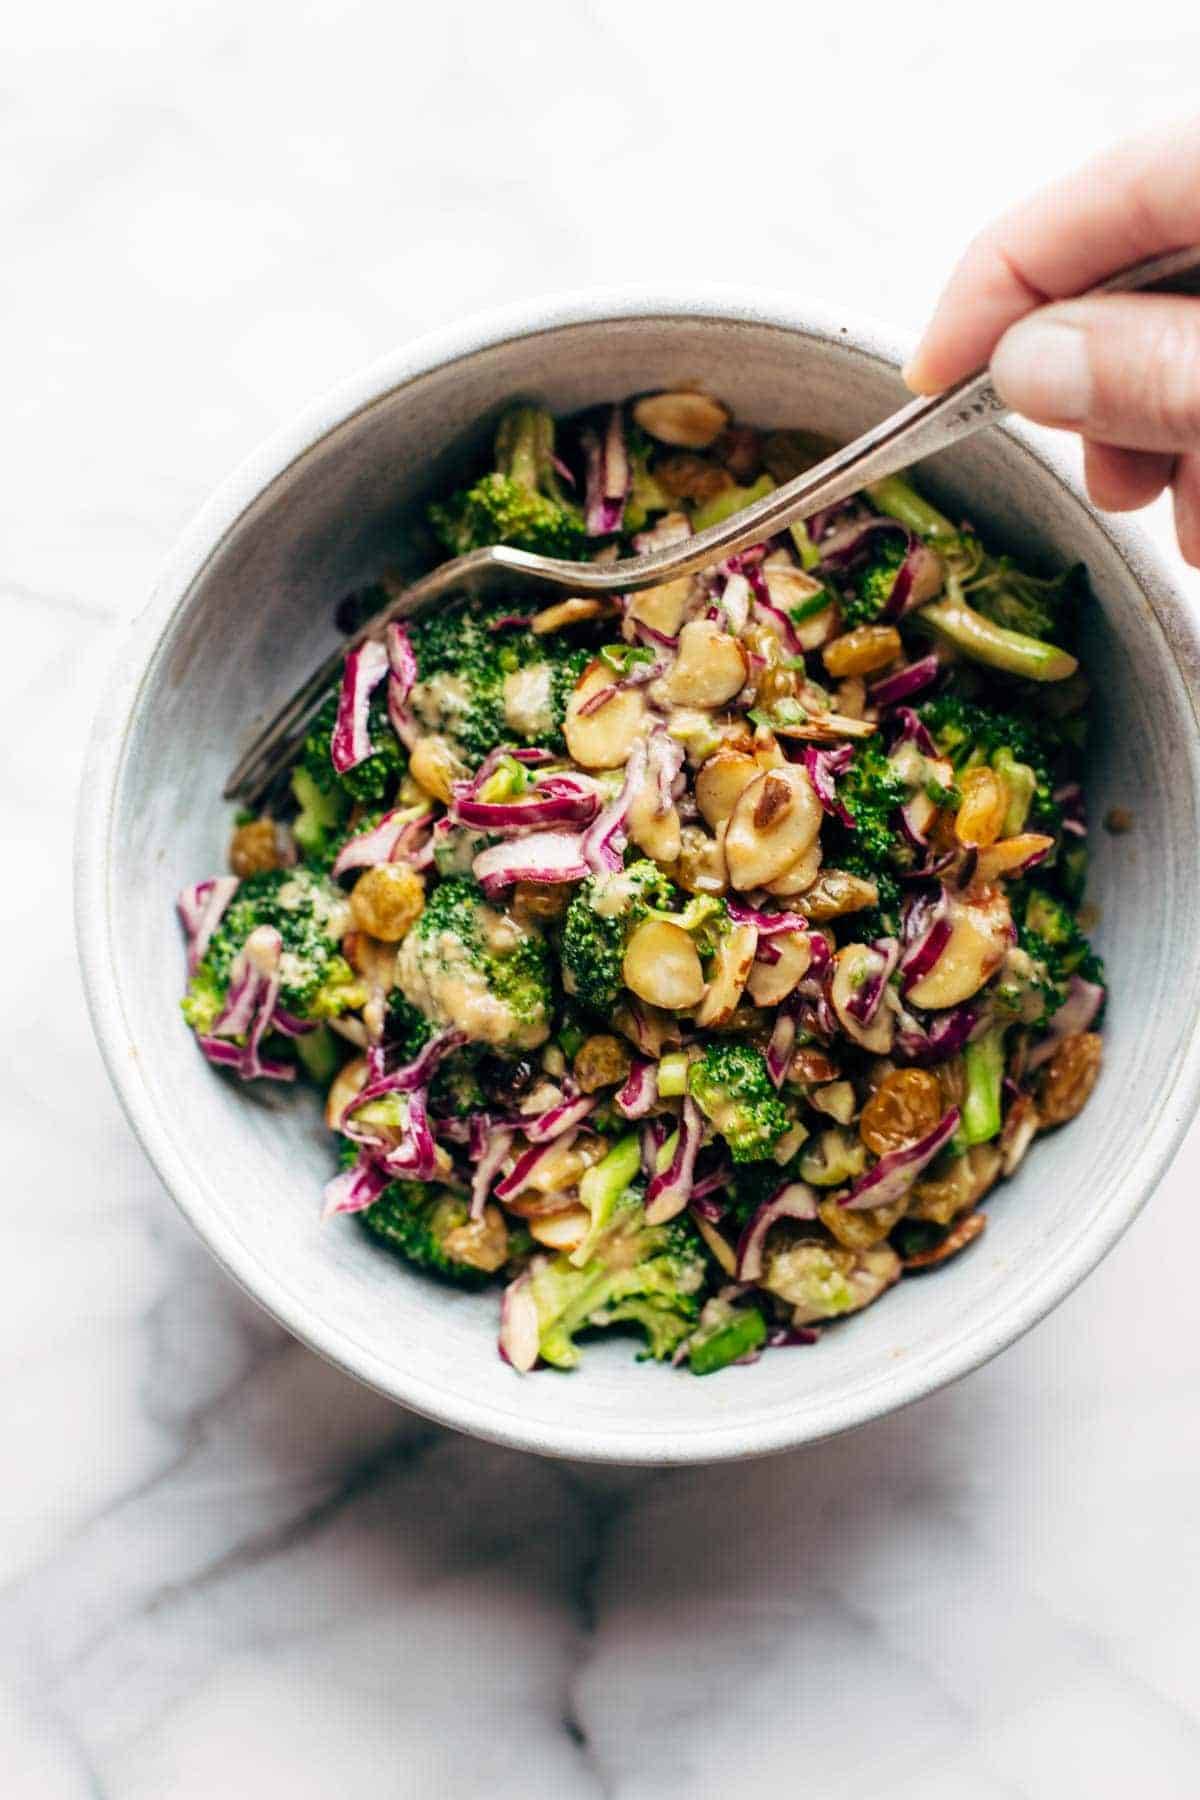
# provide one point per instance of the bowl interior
(247, 1166)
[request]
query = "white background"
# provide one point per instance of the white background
(224, 1570)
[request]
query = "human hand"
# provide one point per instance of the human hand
(1123, 370)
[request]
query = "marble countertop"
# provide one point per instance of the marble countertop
(225, 1569)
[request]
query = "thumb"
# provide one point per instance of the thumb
(1121, 368)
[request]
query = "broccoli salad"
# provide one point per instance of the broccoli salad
(689, 964)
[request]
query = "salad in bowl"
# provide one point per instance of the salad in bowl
(691, 965)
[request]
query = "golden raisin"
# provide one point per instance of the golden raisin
(601, 1061)
(1069, 1078)
(254, 847)
(980, 817)
(687, 477)
(811, 1065)
(905, 1106)
(387, 900)
(776, 684)
(862, 651)
(435, 766)
(534, 902)
(739, 448)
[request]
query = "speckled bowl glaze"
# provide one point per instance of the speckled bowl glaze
(245, 608)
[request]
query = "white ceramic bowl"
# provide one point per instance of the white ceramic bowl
(243, 611)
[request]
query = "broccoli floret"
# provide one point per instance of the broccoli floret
(732, 1088)
(969, 734)
(325, 796)
(868, 591)
(602, 913)
(1049, 933)
(644, 1275)
(482, 684)
(310, 915)
(521, 502)
(417, 1219)
(465, 965)
(871, 790)
(1020, 602)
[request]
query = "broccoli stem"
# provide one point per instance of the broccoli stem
(806, 550)
(895, 497)
(672, 1075)
(994, 645)
(319, 1055)
(984, 1060)
(736, 1337)
(715, 511)
(601, 1189)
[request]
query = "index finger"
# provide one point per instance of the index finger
(1135, 200)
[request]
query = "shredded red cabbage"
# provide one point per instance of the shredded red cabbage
(547, 856)
(890, 690)
(201, 909)
(892, 1176)
(794, 1200)
(640, 1091)
(606, 475)
(365, 669)
(670, 1192)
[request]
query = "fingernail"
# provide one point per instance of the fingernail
(1041, 368)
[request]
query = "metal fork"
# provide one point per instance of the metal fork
(920, 429)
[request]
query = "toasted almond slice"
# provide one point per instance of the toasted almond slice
(720, 782)
(662, 608)
(731, 965)
(603, 739)
(800, 877)
(776, 821)
(562, 1230)
(791, 587)
(688, 421)
(1009, 854)
(348, 1081)
(769, 983)
(658, 834)
(568, 612)
(723, 1252)
(980, 934)
(851, 966)
(826, 728)
(662, 965)
(710, 668)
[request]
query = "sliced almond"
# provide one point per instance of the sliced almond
(776, 821)
(980, 934)
(769, 983)
(800, 877)
(1009, 854)
(662, 965)
(567, 612)
(688, 421)
(663, 608)
(731, 964)
(790, 587)
(852, 965)
(710, 668)
(349, 1080)
(720, 782)
(658, 834)
(603, 739)
(562, 1230)
(826, 728)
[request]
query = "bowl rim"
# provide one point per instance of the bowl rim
(911, 1378)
